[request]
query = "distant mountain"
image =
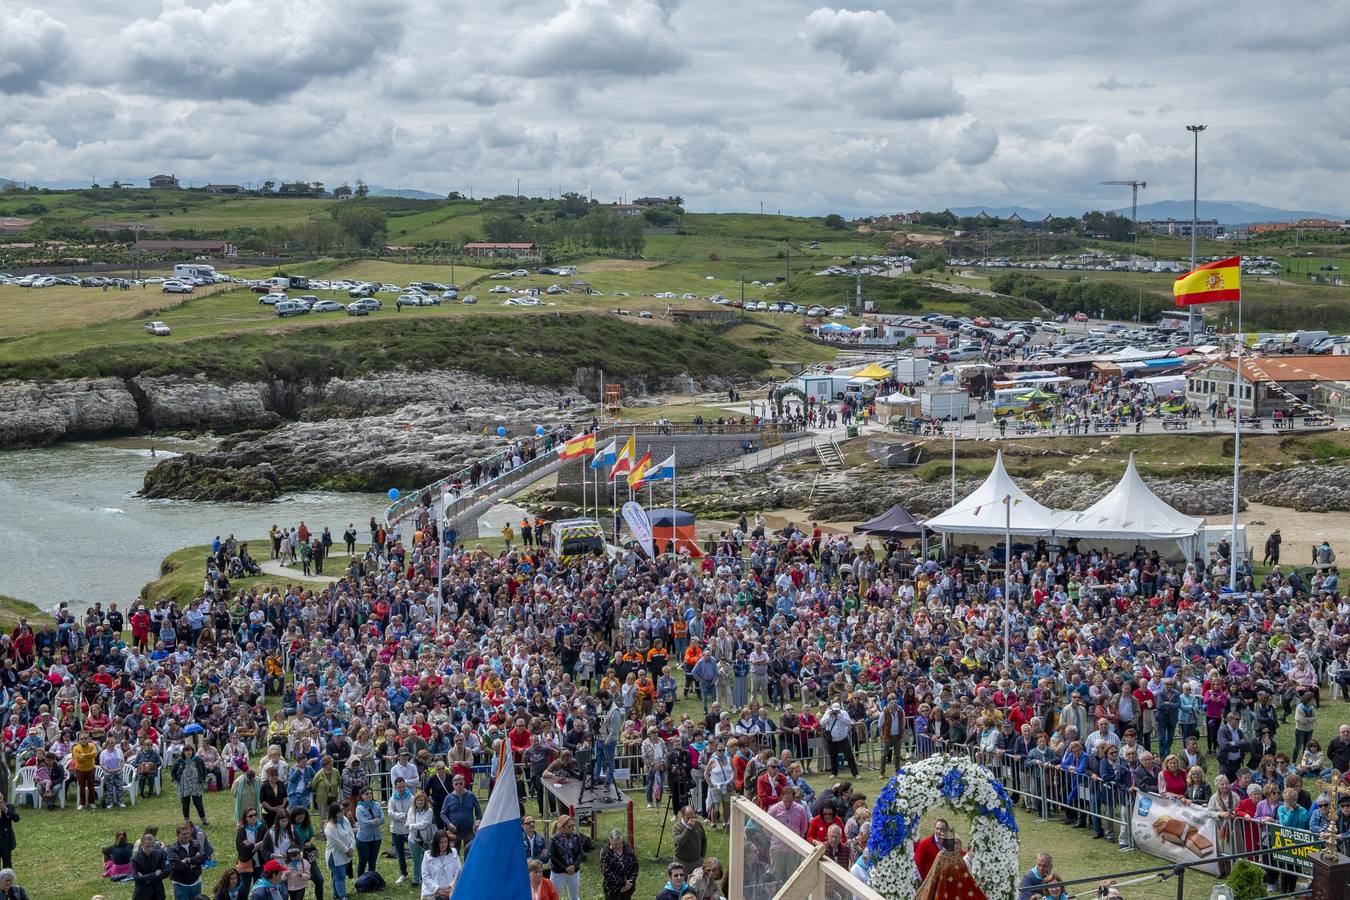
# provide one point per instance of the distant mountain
(1228, 212)
(406, 193)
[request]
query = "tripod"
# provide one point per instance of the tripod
(665, 817)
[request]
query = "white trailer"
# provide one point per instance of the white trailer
(912, 371)
(944, 404)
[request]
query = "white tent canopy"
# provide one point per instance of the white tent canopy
(1132, 512)
(983, 511)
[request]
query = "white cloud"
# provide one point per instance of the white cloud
(864, 39)
(625, 38)
(808, 108)
(34, 50)
(258, 50)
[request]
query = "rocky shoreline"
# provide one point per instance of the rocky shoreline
(858, 494)
(403, 444)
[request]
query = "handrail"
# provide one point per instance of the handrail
(406, 503)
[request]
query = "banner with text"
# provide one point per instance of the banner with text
(1176, 831)
(640, 525)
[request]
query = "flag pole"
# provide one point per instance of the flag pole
(1237, 447)
(1007, 580)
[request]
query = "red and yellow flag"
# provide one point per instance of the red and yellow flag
(1216, 282)
(623, 463)
(581, 445)
(639, 471)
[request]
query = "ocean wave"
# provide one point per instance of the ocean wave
(111, 510)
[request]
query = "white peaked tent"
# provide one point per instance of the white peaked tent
(983, 510)
(1131, 512)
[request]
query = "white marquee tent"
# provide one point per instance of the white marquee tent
(1131, 512)
(983, 510)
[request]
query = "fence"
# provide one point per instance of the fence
(402, 507)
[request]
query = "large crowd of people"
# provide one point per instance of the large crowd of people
(773, 659)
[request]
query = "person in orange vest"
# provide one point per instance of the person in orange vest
(526, 532)
(692, 654)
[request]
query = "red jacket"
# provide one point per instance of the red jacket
(925, 852)
(769, 788)
(819, 829)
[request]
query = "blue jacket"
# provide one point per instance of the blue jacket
(461, 810)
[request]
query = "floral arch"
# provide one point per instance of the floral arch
(967, 788)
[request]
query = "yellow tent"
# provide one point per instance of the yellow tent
(874, 372)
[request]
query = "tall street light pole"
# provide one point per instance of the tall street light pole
(1195, 208)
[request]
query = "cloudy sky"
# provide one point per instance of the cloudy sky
(806, 108)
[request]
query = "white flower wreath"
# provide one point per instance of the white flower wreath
(966, 787)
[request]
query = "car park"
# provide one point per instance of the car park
(159, 329)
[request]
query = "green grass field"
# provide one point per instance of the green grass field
(58, 855)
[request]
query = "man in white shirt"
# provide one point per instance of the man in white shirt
(405, 768)
(837, 726)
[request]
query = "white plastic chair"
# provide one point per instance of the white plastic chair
(98, 785)
(25, 784)
(129, 786)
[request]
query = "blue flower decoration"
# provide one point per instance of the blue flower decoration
(953, 785)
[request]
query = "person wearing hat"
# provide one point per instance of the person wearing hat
(272, 884)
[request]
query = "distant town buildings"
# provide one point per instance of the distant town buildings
(200, 248)
(1314, 225)
(1205, 228)
(164, 182)
(222, 189)
(508, 250)
(628, 210)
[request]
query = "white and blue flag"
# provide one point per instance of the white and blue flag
(496, 865)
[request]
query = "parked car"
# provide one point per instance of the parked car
(468, 298)
(326, 306)
(170, 287)
(363, 307)
(520, 273)
(158, 329)
(644, 314)
(273, 299)
(499, 289)
(291, 308)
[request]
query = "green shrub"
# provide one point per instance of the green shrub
(1247, 880)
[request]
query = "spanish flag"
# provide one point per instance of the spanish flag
(581, 445)
(639, 471)
(1216, 282)
(624, 463)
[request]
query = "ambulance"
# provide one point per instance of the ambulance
(573, 538)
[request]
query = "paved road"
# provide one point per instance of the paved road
(296, 573)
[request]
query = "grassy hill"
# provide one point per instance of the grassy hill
(542, 347)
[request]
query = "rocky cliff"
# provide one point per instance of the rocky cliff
(859, 494)
(417, 442)
(35, 414)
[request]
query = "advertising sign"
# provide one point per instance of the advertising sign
(1176, 831)
(640, 526)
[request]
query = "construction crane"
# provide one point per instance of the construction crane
(1134, 200)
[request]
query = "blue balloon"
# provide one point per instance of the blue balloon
(501, 431)
(393, 493)
(539, 429)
